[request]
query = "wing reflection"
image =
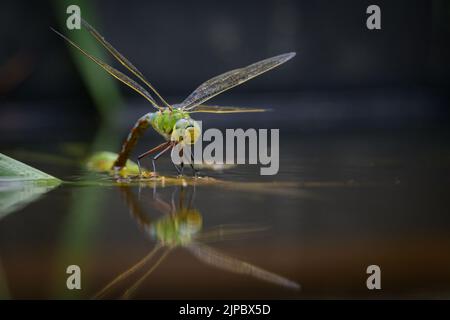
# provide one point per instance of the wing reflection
(182, 227)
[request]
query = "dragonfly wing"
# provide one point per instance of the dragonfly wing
(230, 79)
(226, 232)
(221, 261)
(124, 61)
(127, 273)
(132, 289)
(115, 73)
(225, 109)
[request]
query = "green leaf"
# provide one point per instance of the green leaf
(13, 170)
(21, 184)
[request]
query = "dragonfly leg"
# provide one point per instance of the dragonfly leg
(194, 171)
(182, 168)
(139, 167)
(169, 146)
(154, 166)
(178, 170)
(153, 150)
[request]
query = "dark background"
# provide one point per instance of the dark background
(401, 72)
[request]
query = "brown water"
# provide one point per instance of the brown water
(341, 203)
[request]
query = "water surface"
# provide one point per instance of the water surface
(343, 201)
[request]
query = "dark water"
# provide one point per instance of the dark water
(342, 202)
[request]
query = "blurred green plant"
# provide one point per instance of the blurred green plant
(102, 88)
(85, 209)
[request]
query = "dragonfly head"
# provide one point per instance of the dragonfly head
(186, 131)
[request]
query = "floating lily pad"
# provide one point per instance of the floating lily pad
(103, 162)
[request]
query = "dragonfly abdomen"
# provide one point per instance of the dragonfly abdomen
(136, 132)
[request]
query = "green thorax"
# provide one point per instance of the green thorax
(164, 121)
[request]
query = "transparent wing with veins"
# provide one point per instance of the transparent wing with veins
(115, 73)
(225, 109)
(227, 232)
(230, 79)
(221, 261)
(124, 61)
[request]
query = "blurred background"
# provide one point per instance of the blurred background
(364, 123)
(401, 72)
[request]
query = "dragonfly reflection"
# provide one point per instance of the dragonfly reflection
(181, 226)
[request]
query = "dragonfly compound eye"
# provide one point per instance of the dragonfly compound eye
(191, 134)
(186, 131)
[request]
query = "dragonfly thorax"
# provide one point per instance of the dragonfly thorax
(175, 125)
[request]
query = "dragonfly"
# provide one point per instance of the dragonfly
(173, 121)
(181, 227)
